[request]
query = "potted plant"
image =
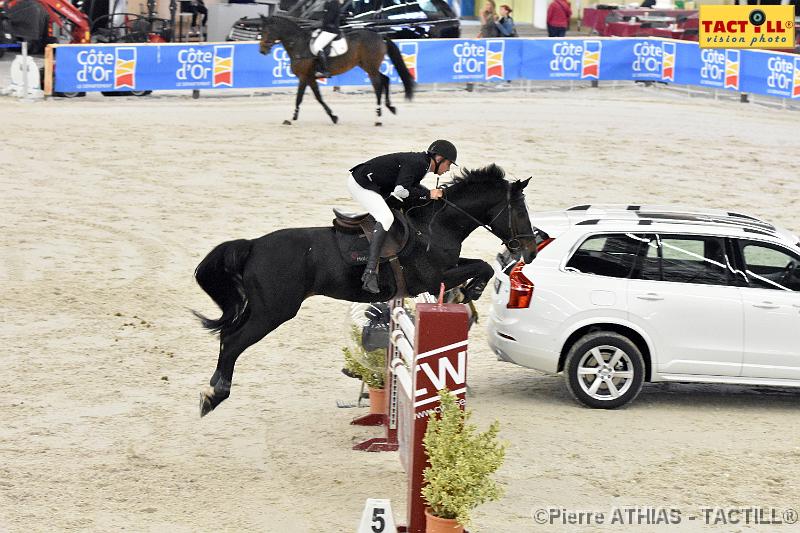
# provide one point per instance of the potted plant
(461, 464)
(370, 367)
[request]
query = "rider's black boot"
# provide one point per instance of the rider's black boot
(370, 277)
(323, 70)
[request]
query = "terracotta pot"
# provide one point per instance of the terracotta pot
(377, 401)
(434, 524)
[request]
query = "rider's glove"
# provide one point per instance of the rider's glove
(400, 192)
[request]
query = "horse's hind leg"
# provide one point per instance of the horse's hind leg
(263, 319)
(318, 96)
(377, 80)
(389, 105)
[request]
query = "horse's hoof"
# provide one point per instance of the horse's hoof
(335, 119)
(379, 123)
(392, 109)
(287, 123)
(205, 405)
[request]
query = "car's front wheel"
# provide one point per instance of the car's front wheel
(604, 370)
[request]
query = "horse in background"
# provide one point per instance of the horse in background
(365, 49)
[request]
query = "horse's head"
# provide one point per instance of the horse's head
(522, 242)
(268, 34)
(500, 205)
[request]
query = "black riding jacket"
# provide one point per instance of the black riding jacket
(330, 18)
(383, 173)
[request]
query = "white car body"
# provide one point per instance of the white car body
(686, 331)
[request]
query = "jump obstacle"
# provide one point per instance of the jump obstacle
(423, 357)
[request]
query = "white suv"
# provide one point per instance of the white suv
(619, 295)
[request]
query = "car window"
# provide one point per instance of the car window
(612, 255)
(362, 7)
(770, 266)
(429, 6)
(686, 259)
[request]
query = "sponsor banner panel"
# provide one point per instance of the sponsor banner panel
(142, 67)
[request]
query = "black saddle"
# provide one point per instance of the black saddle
(354, 232)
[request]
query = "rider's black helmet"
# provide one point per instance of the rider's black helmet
(443, 148)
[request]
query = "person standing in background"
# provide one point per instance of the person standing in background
(488, 19)
(199, 7)
(558, 15)
(506, 24)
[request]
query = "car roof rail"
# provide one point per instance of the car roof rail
(674, 213)
(707, 218)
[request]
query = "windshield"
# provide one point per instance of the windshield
(312, 9)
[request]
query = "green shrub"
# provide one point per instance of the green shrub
(369, 366)
(461, 462)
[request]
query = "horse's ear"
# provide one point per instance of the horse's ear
(519, 185)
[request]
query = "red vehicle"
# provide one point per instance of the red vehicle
(42, 22)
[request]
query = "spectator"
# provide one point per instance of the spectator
(558, 15)
(198, 6)
(488, 20)
(506, 24)
(648, 3)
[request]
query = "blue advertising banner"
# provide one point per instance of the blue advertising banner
(240, 65)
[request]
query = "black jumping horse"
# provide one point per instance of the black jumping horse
(365, 49)
(259, 284)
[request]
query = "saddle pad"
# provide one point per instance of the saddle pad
(337, 47)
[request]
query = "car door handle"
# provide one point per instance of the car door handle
(650, 296)
(766, 305)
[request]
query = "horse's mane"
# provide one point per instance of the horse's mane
(282, 19)
(488, 175)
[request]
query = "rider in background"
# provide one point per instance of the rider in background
(398, 176)
(329, 31)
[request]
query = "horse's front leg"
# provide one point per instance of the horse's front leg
(315, 88)
(476, 270)
(301, 90)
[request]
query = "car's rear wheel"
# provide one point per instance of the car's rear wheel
(604, 370)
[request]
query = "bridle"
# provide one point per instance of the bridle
(513, 244)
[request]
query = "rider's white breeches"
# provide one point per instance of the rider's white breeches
(372, 202)
(323, 39)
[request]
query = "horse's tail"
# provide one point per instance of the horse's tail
(400, 66)
(220, 275)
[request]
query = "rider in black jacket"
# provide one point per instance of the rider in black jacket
(328, 32)
(398, 176)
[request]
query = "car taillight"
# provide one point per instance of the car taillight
(521, 288)
(544, 243)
